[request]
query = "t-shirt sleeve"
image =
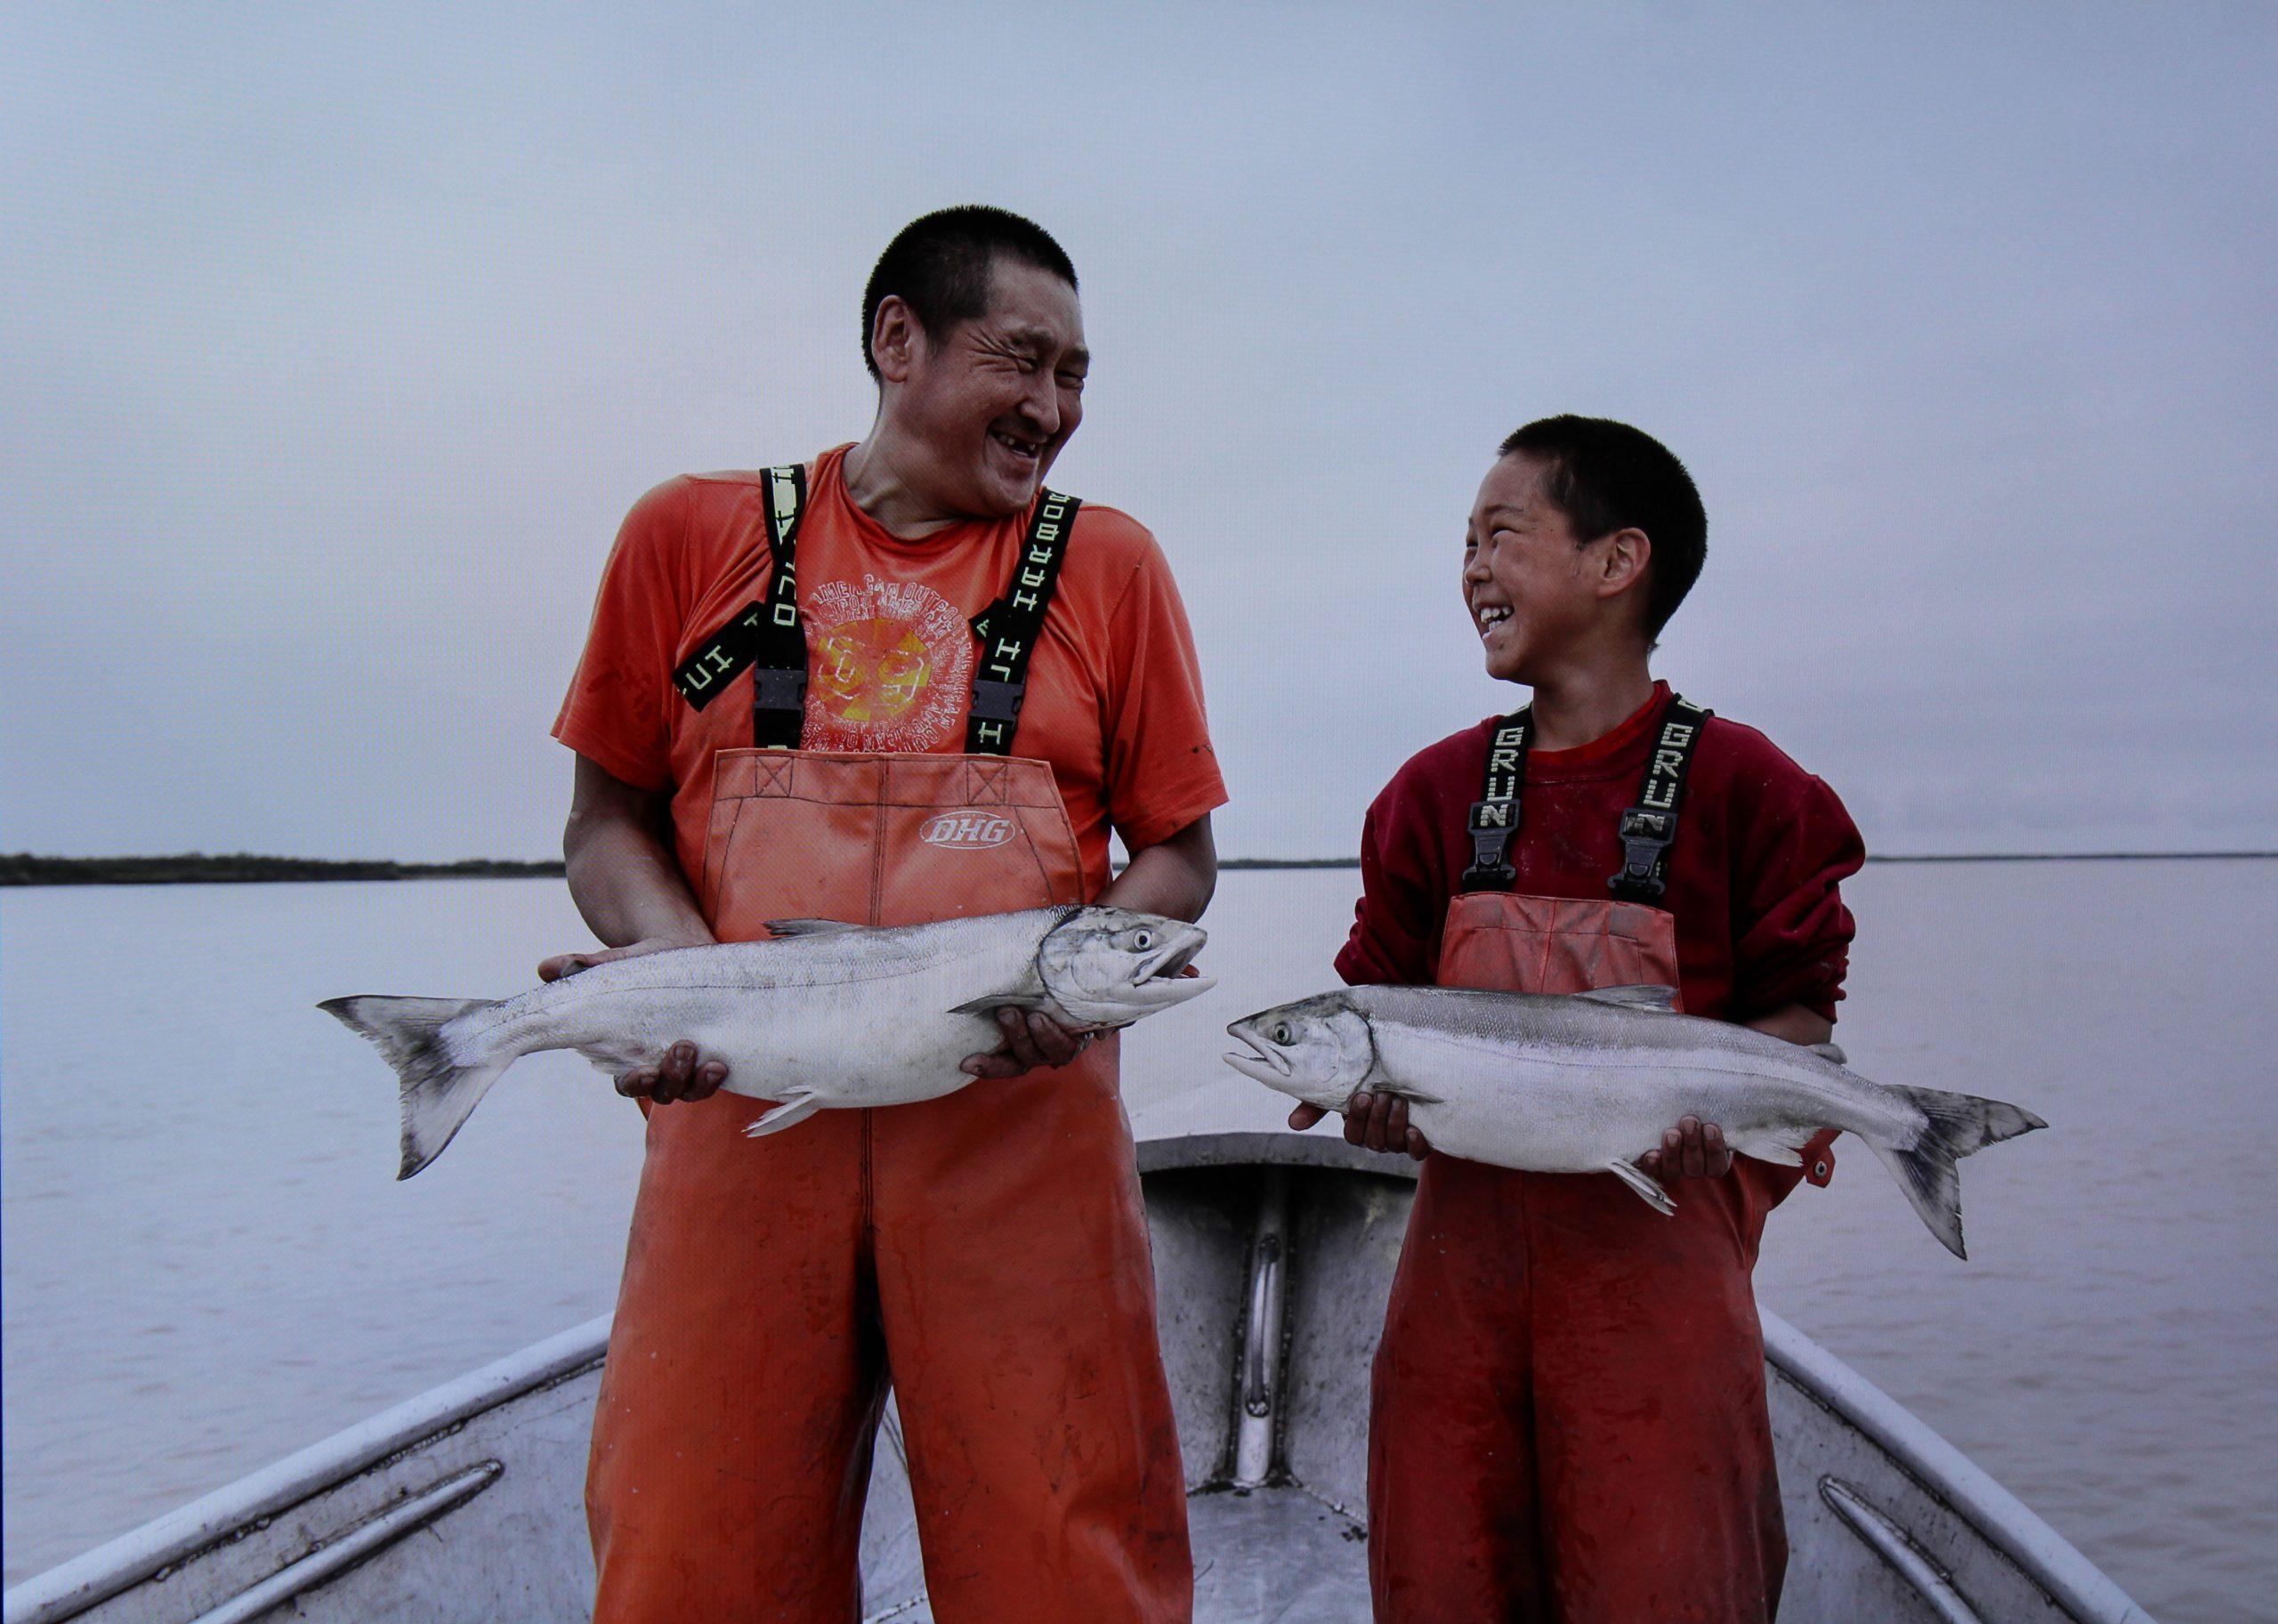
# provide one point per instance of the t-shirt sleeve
(618, 709)
(1791, 931)
(1161, 772)
(1395, 938)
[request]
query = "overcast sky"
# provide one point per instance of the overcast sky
(337, 343)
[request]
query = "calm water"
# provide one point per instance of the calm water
(209, 1263)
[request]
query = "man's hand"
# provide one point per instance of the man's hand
(1031, 1041)
(680, 1075)
(1690, 1150)
(1373, 1121)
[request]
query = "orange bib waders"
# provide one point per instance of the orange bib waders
(1568, 1416)
(986, 1252)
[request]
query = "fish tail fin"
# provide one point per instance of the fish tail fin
(440, 1089)
(1954, 1126)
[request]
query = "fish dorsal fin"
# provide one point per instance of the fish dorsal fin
(1662, 1000)
(1828, 1051)
(808, 927)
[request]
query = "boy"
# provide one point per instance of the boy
(1568, 1416)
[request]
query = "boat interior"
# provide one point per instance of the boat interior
(1273, 1257)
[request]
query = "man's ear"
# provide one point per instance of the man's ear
(1623, 558)
(894, 338)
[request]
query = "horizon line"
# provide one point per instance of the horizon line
(27, 870)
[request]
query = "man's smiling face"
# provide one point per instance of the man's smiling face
(991, 400)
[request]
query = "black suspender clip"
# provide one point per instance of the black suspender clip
(774, 689)
(994, 701)
(1645, 840)
(1490, 867)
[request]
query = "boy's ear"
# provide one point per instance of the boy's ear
(1623, 558)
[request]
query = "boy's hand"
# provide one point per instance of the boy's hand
(1690, 1150)
(1373, 1121)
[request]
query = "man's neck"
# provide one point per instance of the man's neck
(877, 474)
(1587, 699)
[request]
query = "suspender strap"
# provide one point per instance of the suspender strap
(1495, 815)
(766, 635)
(1649, 829)
(1008, 628)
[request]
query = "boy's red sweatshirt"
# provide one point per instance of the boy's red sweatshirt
(1761, 848)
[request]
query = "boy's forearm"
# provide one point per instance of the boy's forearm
(1795, 1024)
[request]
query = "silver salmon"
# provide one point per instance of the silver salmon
(822, 1016)
(1590, 1083)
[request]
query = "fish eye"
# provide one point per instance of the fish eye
(1141, 940)
(1282, 1033)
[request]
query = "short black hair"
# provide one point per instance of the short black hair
(1606, 476)
(939, 265)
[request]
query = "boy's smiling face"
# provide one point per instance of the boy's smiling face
(1535, 591)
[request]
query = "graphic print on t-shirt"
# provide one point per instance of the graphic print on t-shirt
(891, 665)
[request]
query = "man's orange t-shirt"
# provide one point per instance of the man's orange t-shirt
(1114, 702)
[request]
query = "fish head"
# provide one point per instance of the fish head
(1318, 1050)
(1110, 966)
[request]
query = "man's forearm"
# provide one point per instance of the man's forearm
(626, 883)
(1175, 879)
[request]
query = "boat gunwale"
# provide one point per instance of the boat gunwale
(95, 1577)
(1998, 1516)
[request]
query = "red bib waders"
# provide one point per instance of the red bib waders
(1568, 1418)
(986, 1253)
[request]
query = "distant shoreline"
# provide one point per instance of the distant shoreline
(197, 869)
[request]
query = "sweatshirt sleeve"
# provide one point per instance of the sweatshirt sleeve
(1395, 938)
(1791, 931)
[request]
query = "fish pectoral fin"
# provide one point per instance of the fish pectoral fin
(1647, 1187)
(995, 1001)
(808, 927)
(1828, 1051)
(791, 1110)
(1782, 1146)
(1660, 999)
(1406, 1091)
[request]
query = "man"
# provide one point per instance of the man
(899, 684)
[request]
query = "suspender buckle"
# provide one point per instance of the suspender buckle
(995, 701)
(774, 688)
(1645, 839)
(1490, 846)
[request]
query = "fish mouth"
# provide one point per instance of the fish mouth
(1259, 1062)
(1168, 965)
(1162, 979)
